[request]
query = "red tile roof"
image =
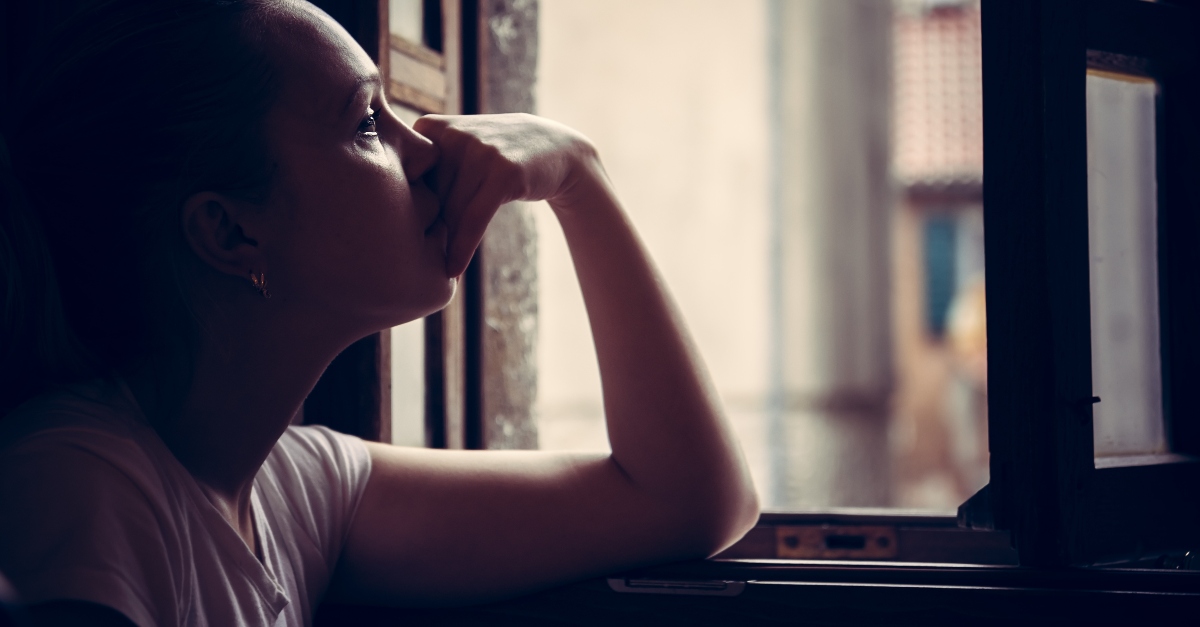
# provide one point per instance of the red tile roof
(938, 115)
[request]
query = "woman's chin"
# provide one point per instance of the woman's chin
(447, 288)
(434, 301)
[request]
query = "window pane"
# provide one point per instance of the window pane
(406, 19)
(1123, 245)
(408, 384)
(820, 225)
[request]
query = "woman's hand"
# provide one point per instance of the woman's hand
(488, 160)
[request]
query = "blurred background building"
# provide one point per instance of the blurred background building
(808, 176)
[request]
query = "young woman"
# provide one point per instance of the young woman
(206, 201)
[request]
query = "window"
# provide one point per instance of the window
(1050, 270)
(1123, 264)
(1091, 145)
(1046, 492)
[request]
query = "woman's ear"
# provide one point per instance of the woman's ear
(216, 228)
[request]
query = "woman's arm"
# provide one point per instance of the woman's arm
(449, 527)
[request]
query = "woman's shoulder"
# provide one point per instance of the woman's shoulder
(317, 465)
(314, 479)
(95, 408)
(319, 445)
(81, 441)
(84, 504)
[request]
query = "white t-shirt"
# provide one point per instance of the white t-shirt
(94, 507)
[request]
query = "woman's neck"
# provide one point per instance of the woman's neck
(221, 411)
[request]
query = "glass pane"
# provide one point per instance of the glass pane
(406, 19)
(843, 323)
(408, 384)
(1123, 245)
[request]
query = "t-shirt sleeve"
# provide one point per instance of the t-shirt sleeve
(76, 526)
(322, 474)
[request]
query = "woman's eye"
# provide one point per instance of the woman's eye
(366, 128)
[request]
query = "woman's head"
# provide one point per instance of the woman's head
(170, 149)
(345, 235)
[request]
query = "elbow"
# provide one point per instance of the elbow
(741, 517)
(723, 520)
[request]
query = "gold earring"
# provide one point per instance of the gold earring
(260, 283)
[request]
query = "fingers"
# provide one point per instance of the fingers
(443, 174)
(465, 207)
(430, 125)
(486, 161)
(463, 243)
(433, 127)
(469, 184)
(473, 201)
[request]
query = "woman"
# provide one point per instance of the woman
(187, 250)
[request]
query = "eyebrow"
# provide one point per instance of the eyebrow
(362, 83)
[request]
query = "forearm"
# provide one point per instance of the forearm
(668, 433)
(675, 483)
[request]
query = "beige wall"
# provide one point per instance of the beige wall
(673, 92)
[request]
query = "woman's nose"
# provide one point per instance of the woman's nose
(417, 154)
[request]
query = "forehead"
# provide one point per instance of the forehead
(319, 62)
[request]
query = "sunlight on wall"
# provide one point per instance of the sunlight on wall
(688, 157)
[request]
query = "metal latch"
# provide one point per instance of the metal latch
(716, 588)
(835, 542)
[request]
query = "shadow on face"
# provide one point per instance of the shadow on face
(346, 233)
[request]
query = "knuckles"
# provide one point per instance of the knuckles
(519, 155)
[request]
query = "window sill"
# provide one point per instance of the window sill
(915, 537)
(829, 593)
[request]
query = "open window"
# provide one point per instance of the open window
(1089, 293)
(1060, 308)
(1091, 153)
(1086, 430)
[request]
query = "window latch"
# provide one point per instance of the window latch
(836, 542)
